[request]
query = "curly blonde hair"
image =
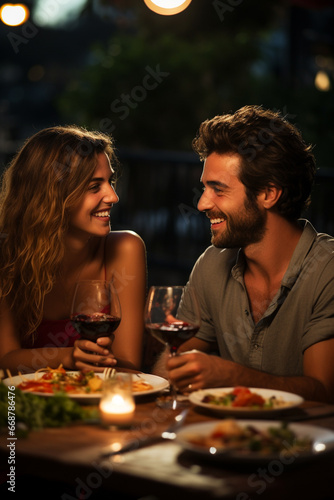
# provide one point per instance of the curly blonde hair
(47, 177)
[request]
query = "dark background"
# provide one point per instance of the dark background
(150, 80)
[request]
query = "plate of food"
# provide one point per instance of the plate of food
(82, 386)
(245, 401)
(257, 441)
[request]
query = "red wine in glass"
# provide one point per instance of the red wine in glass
(96, 310)
(173, 334)
(165, 310)
(93, 326)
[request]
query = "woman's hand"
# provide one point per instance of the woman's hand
(88, 355)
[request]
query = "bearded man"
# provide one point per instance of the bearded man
(266, 284)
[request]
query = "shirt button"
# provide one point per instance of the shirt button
(246, 312)
(256, 346)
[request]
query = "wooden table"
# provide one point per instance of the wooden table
(64, 463)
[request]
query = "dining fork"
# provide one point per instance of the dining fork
(108, 373)
(134, 444)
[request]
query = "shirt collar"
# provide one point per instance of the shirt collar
(303, 247)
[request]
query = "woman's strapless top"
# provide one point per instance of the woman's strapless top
(59, 332)
(55, 333)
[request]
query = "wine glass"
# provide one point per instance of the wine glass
(96, 310)
(172, 315)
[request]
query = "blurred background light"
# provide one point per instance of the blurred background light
(51, 13)
(322, 81)
(167, 7)
(36, 73)
(14, 14)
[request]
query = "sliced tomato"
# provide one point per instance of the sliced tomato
(47, 388)
(80, 377)
(36, 386)
(218, 434)
(248, 399)
(70, 388)
(240, 389)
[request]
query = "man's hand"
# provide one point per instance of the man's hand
(191, 371)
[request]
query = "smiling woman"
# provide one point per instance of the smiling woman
(56, 200)
(90, 215)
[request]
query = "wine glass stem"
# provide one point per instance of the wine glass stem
(172, 387)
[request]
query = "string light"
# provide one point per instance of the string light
(167, 7)
(322, 81)
(14, 14)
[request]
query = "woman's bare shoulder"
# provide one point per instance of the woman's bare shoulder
(125, 255)
(122, 243)
(125, 237)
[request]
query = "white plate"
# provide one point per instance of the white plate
(322, 442)
(292, 401)
(158, 384)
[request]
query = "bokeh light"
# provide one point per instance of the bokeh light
(322, 81)
(167, 7)
(14, 14)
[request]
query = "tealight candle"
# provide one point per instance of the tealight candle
(117, 405)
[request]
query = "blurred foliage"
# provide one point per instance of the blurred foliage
(193, 82)
(206, 61)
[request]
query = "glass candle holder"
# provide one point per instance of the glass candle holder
(117, 405)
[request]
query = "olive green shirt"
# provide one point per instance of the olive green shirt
(300, 315)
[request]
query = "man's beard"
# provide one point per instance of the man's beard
(242, 229)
